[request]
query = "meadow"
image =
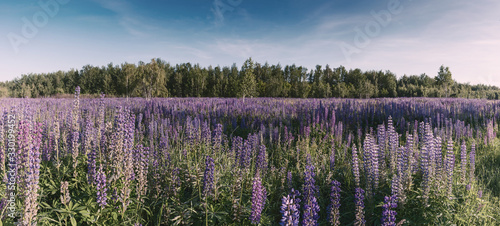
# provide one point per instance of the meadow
(262, 161)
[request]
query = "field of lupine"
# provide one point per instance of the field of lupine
(202, 161)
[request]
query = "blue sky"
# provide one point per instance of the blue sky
(404, 36)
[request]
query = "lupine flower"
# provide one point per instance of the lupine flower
(32, 177)
(141, 157)
(472, 163)
(75, 134)
(463, 161)
(208, 177)
(311, 208)
(261, 162)
(116, 146)
(438, 154)
(100, 122)
(87, 142)
(246, 154)
(393, 139)
(237, 149)
(307, 131)
(259, 194)
(367, 162)
(421, 134)
(2, 147)
(400, 178)
(355, 165)
(334, 212)
(54, 145)
(371, 163)
(375, 163)
(101, 188)
(424, 164)
(74, 153)
(289, 180)
(126, 167)
(360, 212)
(430, 149)
(47, 140)
(217, 138)
(332, 159)
(395, 185)
(388, 213)
(411, 155)
(24, 142)
(91, 167)
(380, 145)
(289, 212)
(175, 184)
(450, 165)
(65, 198)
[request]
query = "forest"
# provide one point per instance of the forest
(159, 78)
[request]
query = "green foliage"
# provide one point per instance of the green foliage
(160, 79)
(248, 85)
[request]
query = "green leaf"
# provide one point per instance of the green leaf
(85, 213)
(73, 221)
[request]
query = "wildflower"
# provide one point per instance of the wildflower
(360, 213)
(101, 187)
(290, 208)
(388, 213)
(332, 159)
(259, 194)
(463, 161)
(334, 213)
(289, 212)
(289, 180)
(217, 137)
(355, 165)
(91, 167)
(472, 163)
(311, 208)
(261, 163)
(208, 178)
(450, 165)
(65, 198)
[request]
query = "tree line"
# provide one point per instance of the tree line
(161, 79)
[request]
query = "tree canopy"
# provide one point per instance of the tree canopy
(158, 78)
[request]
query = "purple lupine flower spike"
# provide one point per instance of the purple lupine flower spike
(360, 212)
(463, 161)
(334, 212)
(355, 165)
(101, 188)
(450, 166)
(259, 194)
(208, 178)
(388, 213)
(311, 208)
(472, 163)
(290, 209)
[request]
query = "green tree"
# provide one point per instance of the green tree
(126, 81)
(248, 85)
(444, 79)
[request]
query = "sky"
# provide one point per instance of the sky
(404, 36)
